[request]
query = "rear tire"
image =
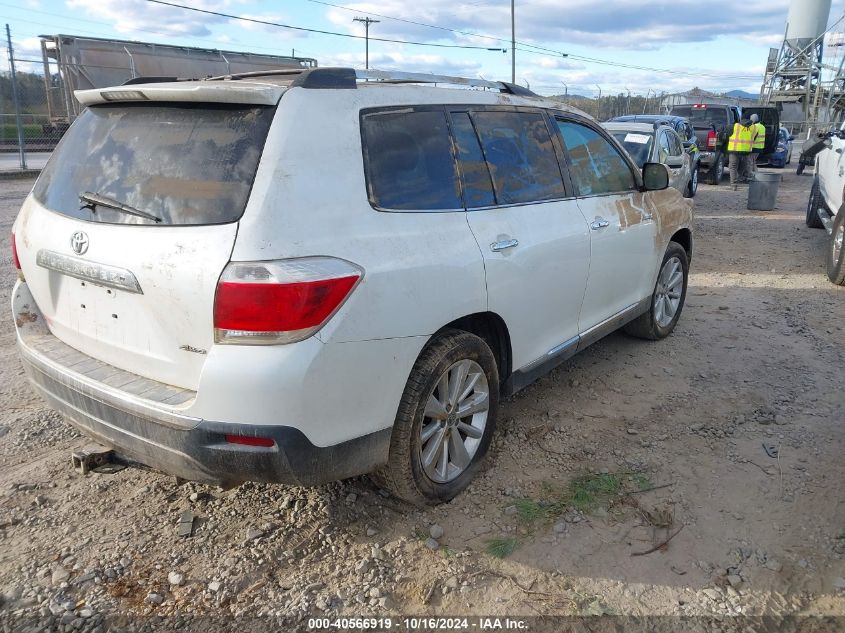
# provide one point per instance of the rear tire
(659, 322)
(836, 250)
(427, 419)
(814, 202)
(714, 176)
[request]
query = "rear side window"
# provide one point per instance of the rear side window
(478, 188)
(408, 161)
(185, 164)
(519, 151)
(595, 166)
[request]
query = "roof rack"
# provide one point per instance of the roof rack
(347, 78)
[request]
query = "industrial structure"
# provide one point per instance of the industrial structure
(91, 62)
(808, 91)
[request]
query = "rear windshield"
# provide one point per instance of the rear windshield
(637, 144)
(703, 117)
(181, 163)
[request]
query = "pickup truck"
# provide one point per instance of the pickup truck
(825, 205)
(713, 124)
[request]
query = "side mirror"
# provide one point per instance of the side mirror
(655, 177)
(791, 138)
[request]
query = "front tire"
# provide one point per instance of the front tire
(667, 300)
(445, 421)
(836, 250)
(814, 202)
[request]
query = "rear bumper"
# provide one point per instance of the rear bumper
(163, 436)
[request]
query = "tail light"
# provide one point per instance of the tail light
(283, 301)
(711, 139)
(251, 440)
(15, 259)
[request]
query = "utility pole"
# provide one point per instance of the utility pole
(21, 151)
(513, 43)
(366, 21)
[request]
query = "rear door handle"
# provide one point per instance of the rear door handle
(502, 245)
(599, 223)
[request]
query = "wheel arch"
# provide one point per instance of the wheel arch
(684, 238)
(491, 328)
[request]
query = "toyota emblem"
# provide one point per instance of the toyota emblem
(79, 242)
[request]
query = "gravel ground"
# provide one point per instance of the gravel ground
(627, 445)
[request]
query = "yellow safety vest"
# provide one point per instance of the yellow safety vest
(741, 139)
(759, 136)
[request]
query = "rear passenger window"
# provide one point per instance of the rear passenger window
(408, 161)
(478, 189)
(595, 166)
(519, 151)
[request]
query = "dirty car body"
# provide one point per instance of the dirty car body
(232, 289)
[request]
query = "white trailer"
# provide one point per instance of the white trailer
(90, 62)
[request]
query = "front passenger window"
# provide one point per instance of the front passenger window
(595, 166)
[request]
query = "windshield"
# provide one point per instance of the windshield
(637, 144)
(703, 117)
(179, 162)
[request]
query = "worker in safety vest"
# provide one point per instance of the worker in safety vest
(758, 142)
(739, 150)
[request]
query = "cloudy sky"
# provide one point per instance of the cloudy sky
(714, 44)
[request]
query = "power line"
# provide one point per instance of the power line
(318, 31)
(538, 49)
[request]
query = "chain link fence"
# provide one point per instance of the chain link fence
(27, 135)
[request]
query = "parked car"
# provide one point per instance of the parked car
(299, 277)
(658, 143)
(825, 204)
(713, 124)
(782, 154)
(678, 123)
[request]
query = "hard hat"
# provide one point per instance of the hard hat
(754, 118)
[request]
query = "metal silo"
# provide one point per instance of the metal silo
(793, 72)
(806, 21)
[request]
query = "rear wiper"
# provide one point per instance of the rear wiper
(96, 200)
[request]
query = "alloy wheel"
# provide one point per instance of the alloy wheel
(837, 242)
(454, 421)
(667, 295)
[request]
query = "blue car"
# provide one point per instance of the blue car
(782, 155)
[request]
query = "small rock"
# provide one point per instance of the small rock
(511, 510)
(696, 427)
(839, 583)
(60, 575)
(435, 531)
(632, 431)
(431, 544)
(734, 580)
(85, 613)
(560, 527)
(214, 586)
(253, 533)
(452, 582)
(774, 564)
(351, 497)
(385, 602)
(154, 598)
(175, 578)
(375, 592)
(713, 594)
(371, 531)
(194, 497)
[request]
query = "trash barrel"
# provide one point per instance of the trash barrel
(763, 191)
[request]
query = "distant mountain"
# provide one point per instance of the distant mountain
(741, 94)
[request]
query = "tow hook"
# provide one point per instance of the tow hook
(92, 458)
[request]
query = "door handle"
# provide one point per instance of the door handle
(503, 245)
(599, 223)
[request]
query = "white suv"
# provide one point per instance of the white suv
(300, 277)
